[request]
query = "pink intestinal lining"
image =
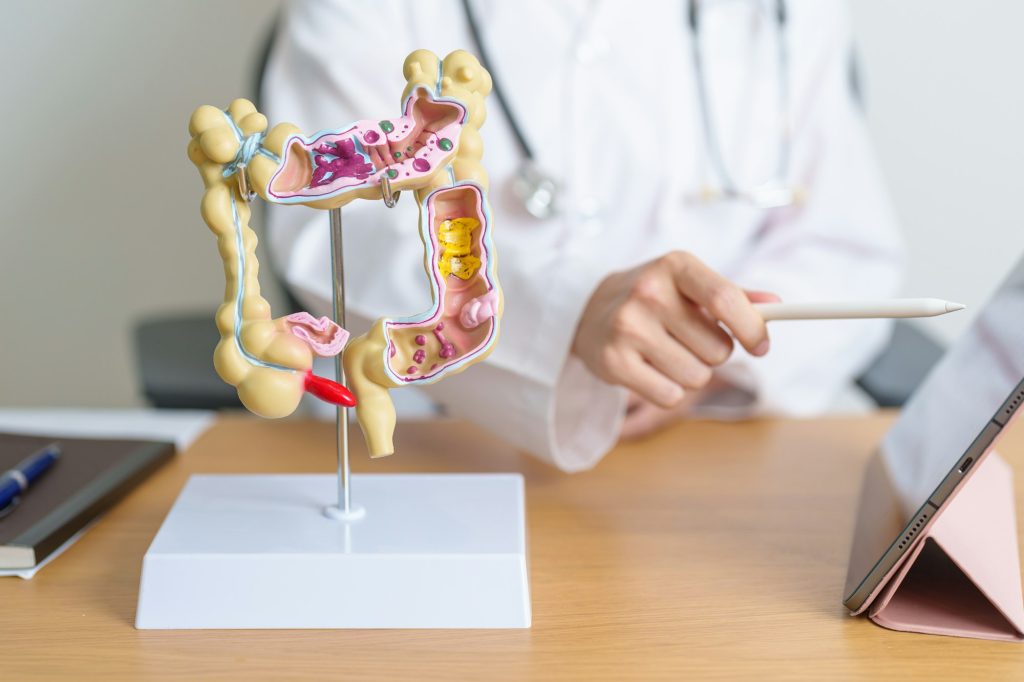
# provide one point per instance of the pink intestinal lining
(324, 336)
(388, 147)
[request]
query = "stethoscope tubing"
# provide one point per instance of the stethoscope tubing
(711, 139)
(729, 188)
(499, 92)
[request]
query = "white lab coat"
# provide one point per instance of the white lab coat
(605, 93)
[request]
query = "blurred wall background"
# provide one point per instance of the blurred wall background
(945, 102)
(99, 220)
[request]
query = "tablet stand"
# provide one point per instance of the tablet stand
(296, 551)
(962, 577)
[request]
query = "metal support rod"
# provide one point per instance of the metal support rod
(338, 287)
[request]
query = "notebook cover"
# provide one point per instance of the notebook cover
(90, 476)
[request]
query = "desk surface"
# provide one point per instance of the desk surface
(714, 550)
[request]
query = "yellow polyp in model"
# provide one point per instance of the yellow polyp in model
(455, 237)
(433, 148)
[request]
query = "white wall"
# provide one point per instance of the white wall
(99, 220)
(98, 212)
(945, 97)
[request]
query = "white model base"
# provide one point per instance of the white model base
(258, 551)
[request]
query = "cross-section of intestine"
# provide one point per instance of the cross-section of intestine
(430, 345)
(460, 328)
(333, 167)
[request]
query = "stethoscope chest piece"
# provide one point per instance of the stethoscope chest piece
(536, 190)
(533, 188)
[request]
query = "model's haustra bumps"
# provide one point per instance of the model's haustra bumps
(433, 147)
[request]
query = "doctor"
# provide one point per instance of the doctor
(660, 165)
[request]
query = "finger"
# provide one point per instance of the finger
(755, 296)
(683, 320)
(650, 384)
(643, 421)
(697, 332)
(648, 417)
(633, 401)
(672, 359)
(725, 301)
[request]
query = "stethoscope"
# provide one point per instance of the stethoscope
(538, 191)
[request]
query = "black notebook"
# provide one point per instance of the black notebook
(90, 476)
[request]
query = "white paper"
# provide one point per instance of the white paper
(182, 427)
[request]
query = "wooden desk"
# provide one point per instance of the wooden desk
(712, 550)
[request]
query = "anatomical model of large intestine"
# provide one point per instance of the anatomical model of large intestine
(434, 148)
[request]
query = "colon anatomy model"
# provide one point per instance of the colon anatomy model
(434, 149)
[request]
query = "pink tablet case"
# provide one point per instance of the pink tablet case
(962, 578)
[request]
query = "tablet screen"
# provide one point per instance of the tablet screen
(958, 398)
(946, 414)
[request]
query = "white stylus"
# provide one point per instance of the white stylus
(840, 310)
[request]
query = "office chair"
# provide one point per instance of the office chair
(174, 352)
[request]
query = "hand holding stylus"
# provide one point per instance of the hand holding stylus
(660, 328)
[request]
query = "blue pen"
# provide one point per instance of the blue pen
(16, 481)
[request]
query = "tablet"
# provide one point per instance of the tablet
(946, 429)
